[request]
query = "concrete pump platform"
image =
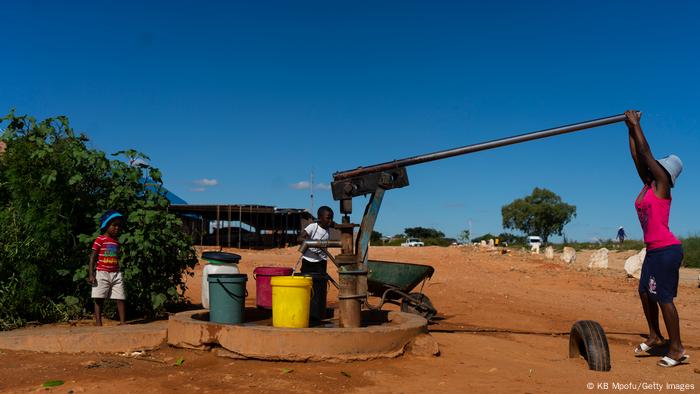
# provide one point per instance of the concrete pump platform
(386, 334)
(86, 339)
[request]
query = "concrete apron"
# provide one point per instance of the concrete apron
(105, 339)
(190, 330)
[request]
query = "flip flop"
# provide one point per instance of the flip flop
(668, 362)
(643, 349)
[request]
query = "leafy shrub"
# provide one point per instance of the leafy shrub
(432, 241)
(396, 241)
(629, 244)
(10, 317)
(53, 189)
(691, 249)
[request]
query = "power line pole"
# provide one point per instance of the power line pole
(311, 189)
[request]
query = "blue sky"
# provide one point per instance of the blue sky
(248, 98)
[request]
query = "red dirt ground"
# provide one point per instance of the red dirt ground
(472, 290)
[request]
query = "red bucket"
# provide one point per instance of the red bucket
(263, 289)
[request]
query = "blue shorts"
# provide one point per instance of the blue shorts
(660, 273)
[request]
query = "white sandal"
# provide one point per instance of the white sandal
(642, 349)
(668, 362)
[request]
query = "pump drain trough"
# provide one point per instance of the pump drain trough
(384, 335)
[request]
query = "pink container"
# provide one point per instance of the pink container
(263, 289)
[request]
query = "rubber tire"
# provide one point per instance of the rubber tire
(416, 305)
(587, 339)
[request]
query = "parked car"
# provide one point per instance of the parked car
(411, 242)
(533, 239)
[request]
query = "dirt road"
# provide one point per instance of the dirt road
(473, 290)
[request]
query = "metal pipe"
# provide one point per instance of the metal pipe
(478, 147)
(318, 244)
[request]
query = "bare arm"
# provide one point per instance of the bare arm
(643, 172)
(302, 236)
(644, 160)
(91, 267)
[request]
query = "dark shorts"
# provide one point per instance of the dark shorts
(318, 267)
(660, 273)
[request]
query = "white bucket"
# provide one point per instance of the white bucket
(214, 269)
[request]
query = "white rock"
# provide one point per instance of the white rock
(491, 243)
(549, 252)
(599, 259)
(633, 265)
(482, 243)
(569, 255)
(535, 248)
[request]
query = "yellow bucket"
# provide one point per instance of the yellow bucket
(291, 296)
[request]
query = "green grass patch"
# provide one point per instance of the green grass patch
(629, 244)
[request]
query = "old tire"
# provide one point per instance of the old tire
(587, 339)
(418, 304)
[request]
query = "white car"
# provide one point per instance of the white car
(533, 239)
(411, 242)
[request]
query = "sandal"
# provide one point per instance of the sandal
(643, 349)
(668, 362)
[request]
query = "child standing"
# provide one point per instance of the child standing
(107, 281)
(315, 260)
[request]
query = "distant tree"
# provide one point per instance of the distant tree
(511, 239)
(484, 237)
(464, 236)
(376, 238)
(421, 232)
(541, 213)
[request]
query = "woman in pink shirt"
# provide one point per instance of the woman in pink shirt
(658, 284)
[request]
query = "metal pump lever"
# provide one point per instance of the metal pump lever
(317, 244)
(320, 245)
(477, 147)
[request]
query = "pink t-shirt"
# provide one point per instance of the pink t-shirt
(653, 214)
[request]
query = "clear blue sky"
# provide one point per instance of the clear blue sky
(256, 95)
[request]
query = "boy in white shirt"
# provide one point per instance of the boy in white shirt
(314, 260)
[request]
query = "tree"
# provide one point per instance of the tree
(484, 237)
(420, 232)
(376, 238)
(542, 213)
(53, 189)
(511, 239)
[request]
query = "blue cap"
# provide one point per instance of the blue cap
(109, 215)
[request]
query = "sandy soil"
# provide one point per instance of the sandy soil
(530, 302)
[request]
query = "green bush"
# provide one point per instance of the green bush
(433, 241)
(629, 244)
(691, 249)
(396, 242)
(437, 241)
(53, 189)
